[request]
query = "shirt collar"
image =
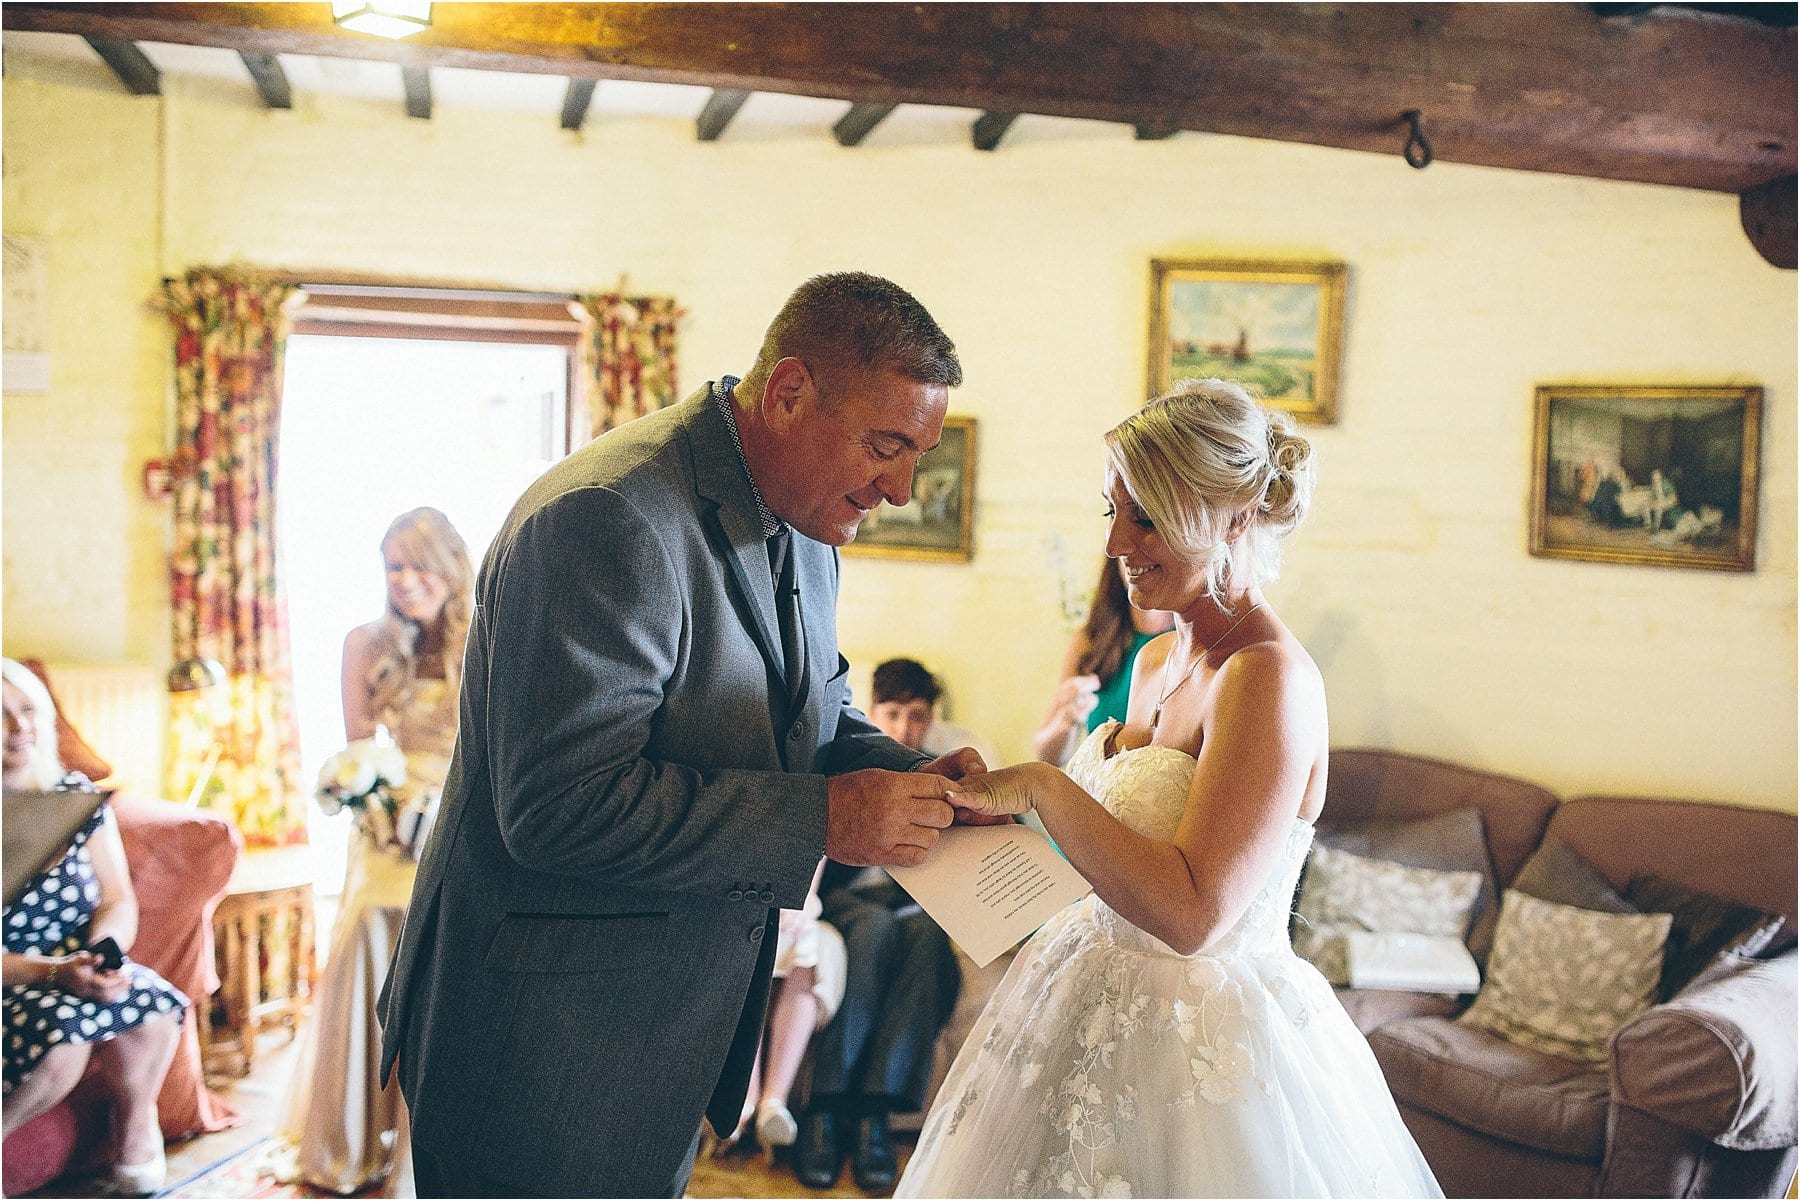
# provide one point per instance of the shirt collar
(721, 396)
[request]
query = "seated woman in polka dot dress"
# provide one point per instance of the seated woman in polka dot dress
(62, 1006)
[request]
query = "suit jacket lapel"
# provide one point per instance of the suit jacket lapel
(720, 478)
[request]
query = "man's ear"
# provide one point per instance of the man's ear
(789, 395)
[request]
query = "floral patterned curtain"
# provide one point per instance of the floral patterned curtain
(628, 357)
(227, 600)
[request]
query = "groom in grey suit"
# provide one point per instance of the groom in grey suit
(656, 746)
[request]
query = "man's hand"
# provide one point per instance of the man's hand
(965, 761)
(881, 818)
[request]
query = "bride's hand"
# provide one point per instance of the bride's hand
(996, 794)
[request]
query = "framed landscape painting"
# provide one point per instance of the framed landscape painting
(1275, 327)
(939, 523)
(1657, 475)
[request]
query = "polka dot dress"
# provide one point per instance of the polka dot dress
(51, 918)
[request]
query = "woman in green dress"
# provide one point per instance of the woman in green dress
(1096, 672)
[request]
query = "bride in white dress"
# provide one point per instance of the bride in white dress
(1161, 1039)
(343, 1130)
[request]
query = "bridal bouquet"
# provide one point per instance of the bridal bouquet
(368, 777)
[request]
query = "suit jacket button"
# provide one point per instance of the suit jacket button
(794, 734)
(756, 933)
(766, 897)
(736, 894)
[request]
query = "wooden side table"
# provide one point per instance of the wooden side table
(264, 943)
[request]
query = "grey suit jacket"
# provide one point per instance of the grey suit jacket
(585, 963)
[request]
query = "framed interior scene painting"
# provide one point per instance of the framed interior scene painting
(939, 523)
(1275, 327)
(1658, 475)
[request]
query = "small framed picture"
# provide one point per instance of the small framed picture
(1275, 327)
(1657, 475)
(939, 523)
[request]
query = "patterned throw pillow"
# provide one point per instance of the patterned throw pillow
(1345, 892)
(1563, 980)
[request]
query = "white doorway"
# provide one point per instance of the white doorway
(372, 427)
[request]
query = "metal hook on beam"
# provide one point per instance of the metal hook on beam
(1417, 151)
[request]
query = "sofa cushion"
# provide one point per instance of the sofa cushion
(1563, 980)
(1342, 892)
(1373, 1008)
(1366, 785)
(1555, 873)
(1482, 1082)
(1702, 928)
(1751, 856)
(1454, 841)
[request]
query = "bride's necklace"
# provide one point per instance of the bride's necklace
(1156, 714)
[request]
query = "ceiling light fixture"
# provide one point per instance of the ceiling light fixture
(384, 18)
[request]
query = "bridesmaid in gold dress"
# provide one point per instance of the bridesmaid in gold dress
(400, 674)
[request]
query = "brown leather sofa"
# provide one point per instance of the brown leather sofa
(1698, 1098)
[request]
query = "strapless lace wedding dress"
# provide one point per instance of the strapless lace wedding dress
(1108, 1065)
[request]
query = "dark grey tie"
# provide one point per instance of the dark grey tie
(787, 609)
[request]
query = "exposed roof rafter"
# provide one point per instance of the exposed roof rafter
(720, 108)
(130, 64)
(576, 101)
(417, 81)
(271, 80)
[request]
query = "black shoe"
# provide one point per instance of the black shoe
(819, 1151)
(872, 1160)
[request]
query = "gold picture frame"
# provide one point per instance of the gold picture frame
(1657, 475)
(939, 523)
(1275, 326)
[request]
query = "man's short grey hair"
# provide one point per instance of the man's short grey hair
(853, 320)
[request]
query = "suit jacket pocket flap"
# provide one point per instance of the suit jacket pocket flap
(576, 942)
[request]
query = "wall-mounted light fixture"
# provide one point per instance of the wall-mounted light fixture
(384, 18)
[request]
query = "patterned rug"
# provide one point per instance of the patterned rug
(249, 1173)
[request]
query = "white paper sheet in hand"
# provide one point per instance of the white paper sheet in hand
(990, 886)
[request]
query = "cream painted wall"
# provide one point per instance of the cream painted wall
(85, 572)
(1437, 633)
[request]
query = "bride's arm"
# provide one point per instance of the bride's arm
(1266, 714)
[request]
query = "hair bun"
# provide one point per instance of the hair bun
(1291, 471)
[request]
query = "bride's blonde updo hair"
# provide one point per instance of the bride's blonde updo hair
(1205, 455)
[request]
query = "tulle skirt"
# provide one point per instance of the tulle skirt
(1104, 1066)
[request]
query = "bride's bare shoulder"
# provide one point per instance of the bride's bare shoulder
(1278, 667)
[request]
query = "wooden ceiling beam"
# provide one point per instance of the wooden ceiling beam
(859, 122)
(576, 101)
(1670, 96)
(720, 108)
(417, 81)
(271, 80)
(1768, 216)
(130, 64)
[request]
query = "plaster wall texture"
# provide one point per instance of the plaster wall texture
(1436, 631)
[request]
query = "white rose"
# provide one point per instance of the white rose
(355, 777)
(390, 762)
(330, 804)
(329, 770)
